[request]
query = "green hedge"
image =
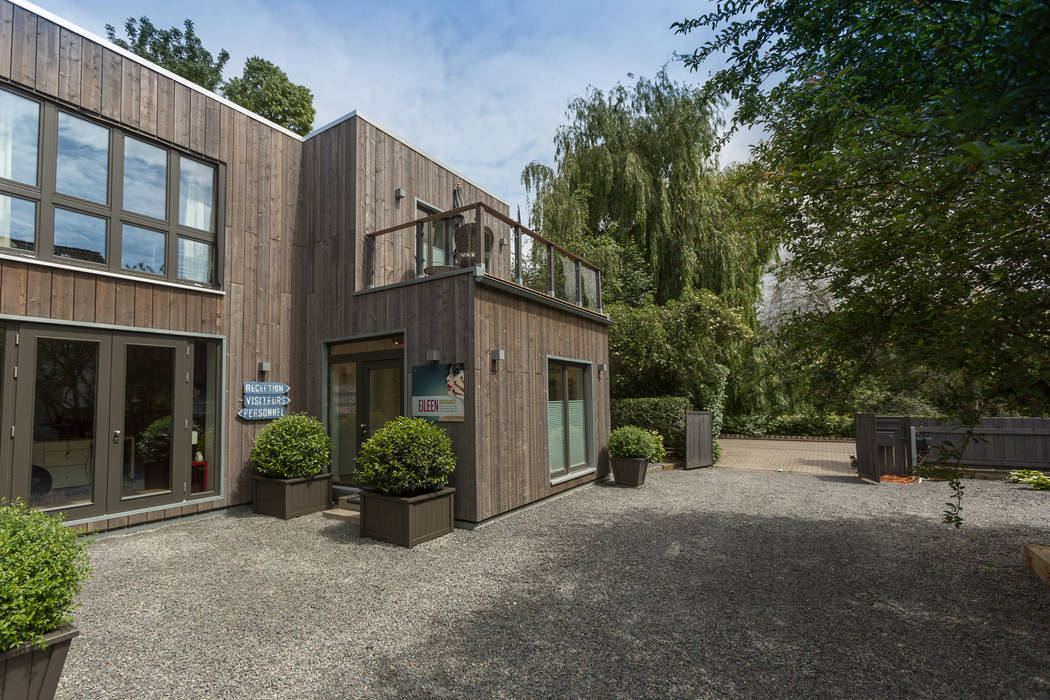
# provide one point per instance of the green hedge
(798, 425)
(664, 414)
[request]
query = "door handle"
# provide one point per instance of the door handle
(116, 437)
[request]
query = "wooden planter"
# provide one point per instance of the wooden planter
(29, 672)
(290, 498)
(629, 471)
(407, 521)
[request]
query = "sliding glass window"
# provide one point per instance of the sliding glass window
(75, 191)
(569, 410)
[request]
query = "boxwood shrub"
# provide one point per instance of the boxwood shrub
(664, 414)
(406, 457)
(632, 442)
(292, 447)
(43, 564)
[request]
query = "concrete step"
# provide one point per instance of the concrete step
(342, 514)
(349, 502)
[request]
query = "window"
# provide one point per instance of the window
(569, 444)
(76, 191)
(435, 238)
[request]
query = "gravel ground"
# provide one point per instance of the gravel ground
(711, 583)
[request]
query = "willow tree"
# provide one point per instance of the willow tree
(634, 167)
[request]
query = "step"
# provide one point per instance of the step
(1038, 559)
(349, 502)
(342, 514)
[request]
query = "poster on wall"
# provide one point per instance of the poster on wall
(438, 391)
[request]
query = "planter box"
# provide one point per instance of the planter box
(407, 521)
(290, 498)
(629, 471)
(29, 672)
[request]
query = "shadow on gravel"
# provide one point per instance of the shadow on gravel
(724, 604)
(844, 479)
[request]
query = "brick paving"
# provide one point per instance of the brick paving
(793, 456)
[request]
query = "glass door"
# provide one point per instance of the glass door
(342, 418)
(381, 395)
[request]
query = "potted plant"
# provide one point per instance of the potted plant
(407, 463)
(42, 567)
(291, 457)
(631, 449)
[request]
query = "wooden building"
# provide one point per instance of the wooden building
(160, 246)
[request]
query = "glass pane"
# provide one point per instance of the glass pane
(204, 433)
(564, 277)
(196, 194)
(342, 418)
(17, 223)
(589, 287)
(80, 236)
(533, 264)
(83, 158)
(577, 409)
(145, 178)
(196, 261)
(437, 244)
(384, 394)
(142, 250)
(64, 423)
(555, 418)
(19, 132)
(148, 391)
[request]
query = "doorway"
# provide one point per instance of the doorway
(365, 391)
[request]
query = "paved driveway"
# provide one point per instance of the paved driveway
(794, 456)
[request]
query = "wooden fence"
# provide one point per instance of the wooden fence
(699, 448)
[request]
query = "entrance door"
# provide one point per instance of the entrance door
(364, 393)
(101, 421)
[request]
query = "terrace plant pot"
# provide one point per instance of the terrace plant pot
(30, 671)
(407, 520)
(629, 471)
(290, 498)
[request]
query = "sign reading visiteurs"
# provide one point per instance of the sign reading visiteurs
(264, 400)
(438, 391)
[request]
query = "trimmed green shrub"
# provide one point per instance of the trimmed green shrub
(751, 424)
(292, 447)
(632, 442)
(42, 567)
(664, 414)
(800, 425)
(406, 457)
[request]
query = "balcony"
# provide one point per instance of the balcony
(477, 236)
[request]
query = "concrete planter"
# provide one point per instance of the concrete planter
(31, 673)
(407, 520)
(629, 471)
(290, 498)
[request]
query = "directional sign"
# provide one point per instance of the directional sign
(265, 413)
(260, 400)
(265, 388)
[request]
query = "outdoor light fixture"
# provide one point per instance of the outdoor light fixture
(264, 367)
(602, 367)
(497, 357)
(397, 341)
(433, 355)
(400, 193)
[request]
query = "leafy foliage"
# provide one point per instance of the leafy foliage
(406, 457)
(178, 50)
(294, 446)
(632, 442)
(664, 415)
(1036, 479)
(795, 425)
(266, 90)
(44, 564)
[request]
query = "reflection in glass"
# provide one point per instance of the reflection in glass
(80, 236)
(19, 132)
(577, 416)
(83, 158)
(196, 194)
(203, 434)
(384, 394)
(342, 418)
(142, 250)
(555, 418)
(589, 287)
(145, 178)
(17, 223)
(533, 264)
(196, 261)
(564, 277)
(63, 423)
(148, 392)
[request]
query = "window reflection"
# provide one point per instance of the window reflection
(145, 178)
(204, 435)
(196, 194)
(83, 158)
(196, 261)
(19, 131)
(142, 250)
(80, 236)
(17, 223)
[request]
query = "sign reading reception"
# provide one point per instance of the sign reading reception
(264, 400)
(437, 392)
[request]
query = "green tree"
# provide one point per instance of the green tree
(266, 90)
(180, 51)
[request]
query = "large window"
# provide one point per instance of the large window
(435, 238)
(76, 191)
(569, 444)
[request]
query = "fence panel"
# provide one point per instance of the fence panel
(699, 450)
(1006, 443)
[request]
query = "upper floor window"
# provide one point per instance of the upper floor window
(75, 190)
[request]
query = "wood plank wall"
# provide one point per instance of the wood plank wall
(262, 189)
(511, 432)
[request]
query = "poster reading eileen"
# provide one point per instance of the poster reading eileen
(438, 391)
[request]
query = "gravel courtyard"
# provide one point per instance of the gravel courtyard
(710, 583)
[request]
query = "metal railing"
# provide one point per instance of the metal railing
(477, 235)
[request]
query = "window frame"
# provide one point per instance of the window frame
(46, 197)
(590, 464)
(427, 209)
